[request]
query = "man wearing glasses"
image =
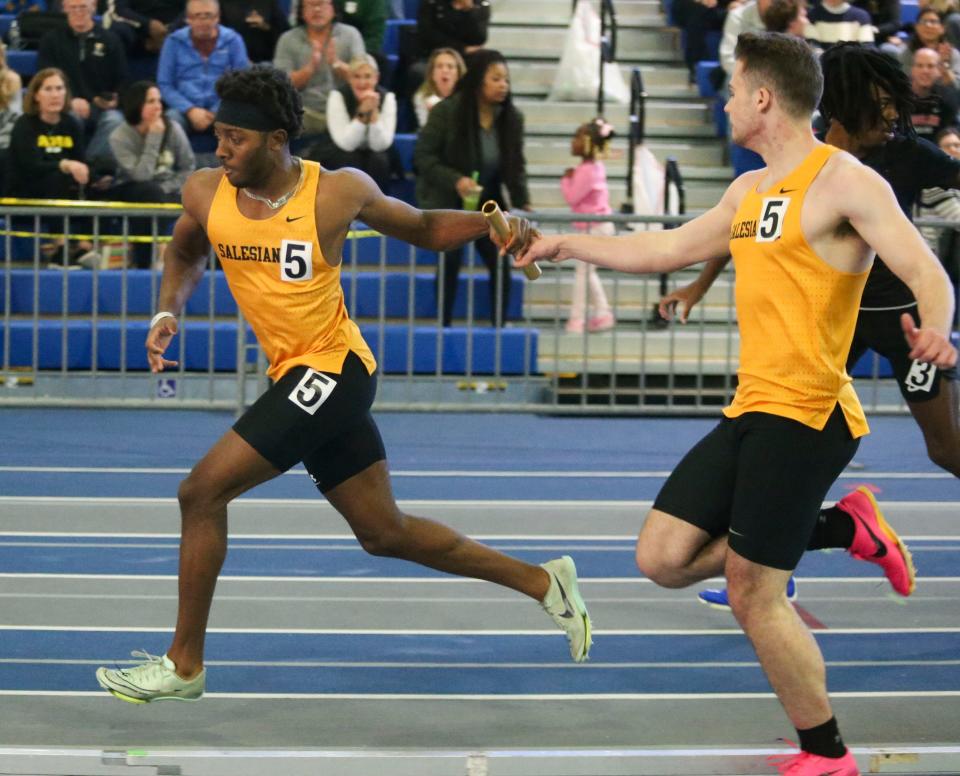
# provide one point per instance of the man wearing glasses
(191, 61)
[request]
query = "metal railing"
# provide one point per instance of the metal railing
(75, 336)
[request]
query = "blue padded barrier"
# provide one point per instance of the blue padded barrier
(109, 339)
(864, 366)
(518, 347)
(53, 286)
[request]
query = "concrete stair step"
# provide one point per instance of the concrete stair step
(660, 81)
(558, 12)
(649, 44)
(700, 196)
(629, 348)
(659, 112)
(616, 169)
(546, 150)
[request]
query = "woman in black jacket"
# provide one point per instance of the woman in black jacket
(473, 145)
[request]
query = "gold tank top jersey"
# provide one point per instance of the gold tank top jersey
(797, 313)
(286, 290)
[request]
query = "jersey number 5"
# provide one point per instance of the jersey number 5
(313, 390)
(771, 222)
(296, 260)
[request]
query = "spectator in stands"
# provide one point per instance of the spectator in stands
(585, 190)
(315, 53)
(885, 16)
(944, 203)
(747, 17)
(928, 33)
(361, 121)
(949, 11)
(368, 17)
(142, 25)
(444, 68)
(192, 59)
(697, 18)
(788, 16)
(46, 155)
(46, 144)
(474, 137)
(260, 24)
(95, 65)
(154, 159)
(11, 106)
(937, 103)
(836, 21)
(457, 24)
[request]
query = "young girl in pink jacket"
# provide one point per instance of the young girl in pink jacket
(585, 190)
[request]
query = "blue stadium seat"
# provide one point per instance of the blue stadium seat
(704, 68)
(6, 19)
(24, 62)
(391, 35)
(405, 143)
(909, 11)
(410, 8)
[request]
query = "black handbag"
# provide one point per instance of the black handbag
(30, 26)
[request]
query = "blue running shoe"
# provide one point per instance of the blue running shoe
(718, 598)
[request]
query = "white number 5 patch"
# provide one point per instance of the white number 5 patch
(312, 391)
(774, 210)
(296, 260)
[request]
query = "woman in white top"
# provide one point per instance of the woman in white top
(361, 121)
(444, 68)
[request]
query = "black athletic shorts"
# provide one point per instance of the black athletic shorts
(762, 479)
(319, 418)
(880, 331)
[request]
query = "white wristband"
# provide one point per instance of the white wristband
(160, 316)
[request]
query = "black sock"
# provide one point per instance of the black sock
(834, 528)
(823, 740)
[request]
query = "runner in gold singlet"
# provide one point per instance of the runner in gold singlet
(277, 225)
(744, 500)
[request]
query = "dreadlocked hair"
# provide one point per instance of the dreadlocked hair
(268, 88)
(853, 76)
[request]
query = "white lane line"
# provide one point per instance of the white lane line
(456, 632)
(453, 473)
(314, 502)
(493, 665)
(428, 580)
(913, 694)
(365, 754)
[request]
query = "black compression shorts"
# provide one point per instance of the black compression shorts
(880, 331)
(319, 418)
(762, 479)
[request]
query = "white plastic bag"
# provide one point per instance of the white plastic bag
(648, 180)
(578, 76)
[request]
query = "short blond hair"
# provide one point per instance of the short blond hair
(367, 60)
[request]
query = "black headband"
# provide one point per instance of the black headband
(245, 115)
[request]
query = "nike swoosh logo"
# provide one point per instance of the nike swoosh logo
(293, 218)
(735, 533)
(787, 191)
(563, 594)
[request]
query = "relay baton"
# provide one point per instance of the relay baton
(491, 211)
